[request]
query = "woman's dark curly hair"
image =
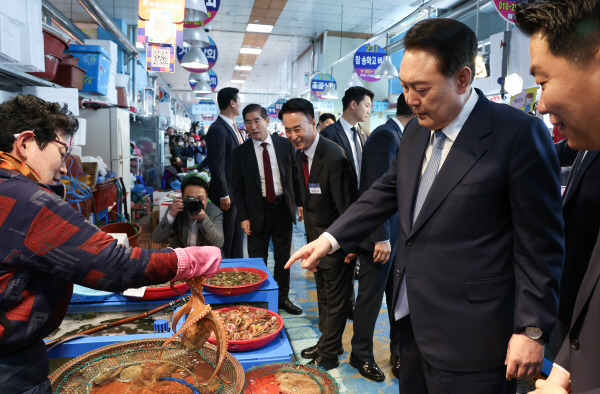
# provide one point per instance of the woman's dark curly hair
(32, 113)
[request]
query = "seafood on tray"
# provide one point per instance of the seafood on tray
(196, 329)
(244, 323)
(234, 278)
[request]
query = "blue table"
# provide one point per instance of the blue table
(278, 350)
(103, 301)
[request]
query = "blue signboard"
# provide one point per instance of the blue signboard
(204, 107)
(366, 60)
(210, 51)
(320, 82)
(214, 81)
(278, 104)
(272, 111)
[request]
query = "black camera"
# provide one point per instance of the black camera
(192, 205)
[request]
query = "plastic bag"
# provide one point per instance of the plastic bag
(101, 165)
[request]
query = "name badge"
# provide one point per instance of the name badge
(314, 188)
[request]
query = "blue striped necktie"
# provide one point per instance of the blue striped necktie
(427, 179)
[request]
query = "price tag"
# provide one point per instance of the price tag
(135, 292)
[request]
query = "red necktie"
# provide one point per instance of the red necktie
(305, 168)
(270, 188)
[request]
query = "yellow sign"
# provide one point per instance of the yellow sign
(525, 100)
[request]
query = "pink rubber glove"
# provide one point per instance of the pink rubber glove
(196, 261)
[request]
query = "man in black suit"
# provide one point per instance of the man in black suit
(221, 139)
(480, 246)
(565, 60)
(265, 185)
(375, 251)
(328, 188)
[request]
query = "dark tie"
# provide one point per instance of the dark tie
(358, 144)
(574, 170)
(401, 310)
(305, 168)
(270, 188)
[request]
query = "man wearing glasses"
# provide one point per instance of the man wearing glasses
(266, 188)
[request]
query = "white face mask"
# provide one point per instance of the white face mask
(180, 143)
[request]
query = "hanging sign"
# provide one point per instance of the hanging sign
(204, 107)
(210, 51)
(324, 106)
(278, 104)
(320, 82)
(214, 80)
(506, 9)
(143, 33)
(272, 111)
(212, 7)
(366, 60)
(160, 58)
(177, 7)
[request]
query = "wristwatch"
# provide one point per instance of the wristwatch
(533, 332)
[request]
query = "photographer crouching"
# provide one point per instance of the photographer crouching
(192, 220)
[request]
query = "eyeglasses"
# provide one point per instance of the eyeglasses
(68, 148)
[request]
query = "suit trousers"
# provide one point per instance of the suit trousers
(373, 281)
(334, 285)
(418, 376)
(233, 247)
(278, 226)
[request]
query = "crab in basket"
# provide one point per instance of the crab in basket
(196, 329)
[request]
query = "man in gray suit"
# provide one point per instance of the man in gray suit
(203, 228)
(565, 60)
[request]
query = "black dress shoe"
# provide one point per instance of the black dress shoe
(395, 361)
(311, 352)
(325, 362)
(290, 308)
(368, 369)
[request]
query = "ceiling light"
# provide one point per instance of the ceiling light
(194, 58)
(195, 11)
(196, 37)
(354, 81)
(198, 77)
(238, 81)
(251, 51)
(330, 92)
(243, 68)
(256, 28)
(202, 87)
(386, 69)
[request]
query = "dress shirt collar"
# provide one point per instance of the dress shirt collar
(453, 128)
(268, 140)
(347, 126)
(228, 120)
(310, 152)
(399, 124)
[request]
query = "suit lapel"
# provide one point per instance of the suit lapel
(315, 168)
(279, 156)
(231, 131)
(587, 161)
(465, 152)
(339, 129)
(590, 281)
(250, 157)
(363, 135)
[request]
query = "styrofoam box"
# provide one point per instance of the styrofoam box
(69, 96)
(110, 47)
(6, 95)
(80, 135)
(32, 39)
(10, 38)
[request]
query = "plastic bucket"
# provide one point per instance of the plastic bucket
(125, 227)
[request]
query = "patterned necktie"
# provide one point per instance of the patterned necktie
(269, 186)
(427, 179)
(358, 144)
(237, 132)
(305, 168)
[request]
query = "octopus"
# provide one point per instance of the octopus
(244, 324)
(197, 327)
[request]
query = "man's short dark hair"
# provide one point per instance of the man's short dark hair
(254, 108)
(29, 112)
(402, 109)
(571, 27)
(452, 42)
(193, 180)
(326, 115)
(357, 94)
(298, 105)
(225, 96)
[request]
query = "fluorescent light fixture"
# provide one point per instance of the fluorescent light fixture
(256, 28)
(238, 81)
(194, 58)
(251, 51)
(243, 68)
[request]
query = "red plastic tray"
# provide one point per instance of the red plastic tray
(250, 344)
(152, 293)
(221, 290)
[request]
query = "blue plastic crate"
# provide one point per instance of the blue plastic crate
(95, 60)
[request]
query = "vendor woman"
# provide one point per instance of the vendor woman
(46, 245)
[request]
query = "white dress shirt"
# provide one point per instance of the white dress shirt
(274, 166)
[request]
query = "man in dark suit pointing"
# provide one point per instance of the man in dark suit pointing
(328, 188)
(480, 247)
(266, 188)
